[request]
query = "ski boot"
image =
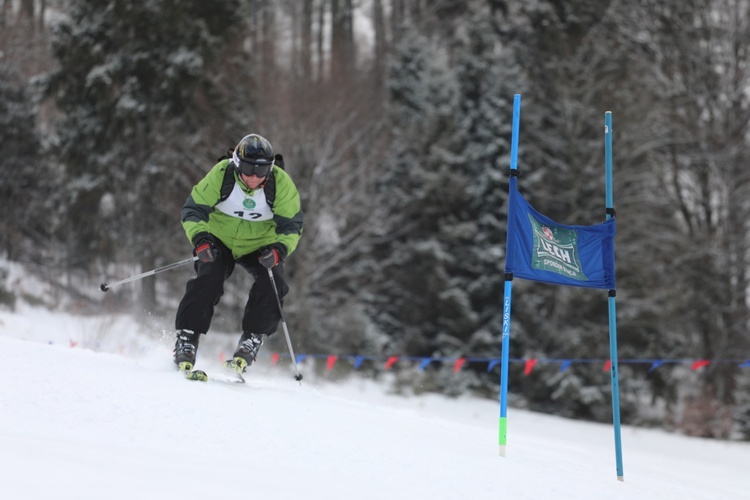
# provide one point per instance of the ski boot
(185, 349)
(246, 352)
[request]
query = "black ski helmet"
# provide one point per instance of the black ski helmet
(253, 155)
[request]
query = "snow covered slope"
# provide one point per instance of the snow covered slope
(80, 424)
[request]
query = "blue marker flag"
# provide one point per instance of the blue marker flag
(540, 249)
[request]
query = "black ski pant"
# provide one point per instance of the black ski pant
(203, 292)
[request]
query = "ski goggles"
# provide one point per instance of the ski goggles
(249, 169)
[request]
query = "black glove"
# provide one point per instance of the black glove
(272, 255)
(205, 247)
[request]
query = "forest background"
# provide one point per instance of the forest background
(394, 118)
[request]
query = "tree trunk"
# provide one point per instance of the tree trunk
(306, 43)
(321, 39)
(398, 11)
(378, 19)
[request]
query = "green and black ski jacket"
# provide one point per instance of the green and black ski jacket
(245, 220)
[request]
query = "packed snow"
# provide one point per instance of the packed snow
(92, 408)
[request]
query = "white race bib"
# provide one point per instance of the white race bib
(244, 206)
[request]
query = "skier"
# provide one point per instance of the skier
(246, 210)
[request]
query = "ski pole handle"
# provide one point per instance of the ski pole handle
(104, 287)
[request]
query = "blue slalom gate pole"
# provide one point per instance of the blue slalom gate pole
(503, 426)
(612, 303)
(503, 429)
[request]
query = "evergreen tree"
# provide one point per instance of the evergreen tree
(22, 184)
(440, 290)
(134, 86)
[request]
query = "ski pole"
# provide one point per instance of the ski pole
(298, 376)
(105, 287)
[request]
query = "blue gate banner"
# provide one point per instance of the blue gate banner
(540, 249)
